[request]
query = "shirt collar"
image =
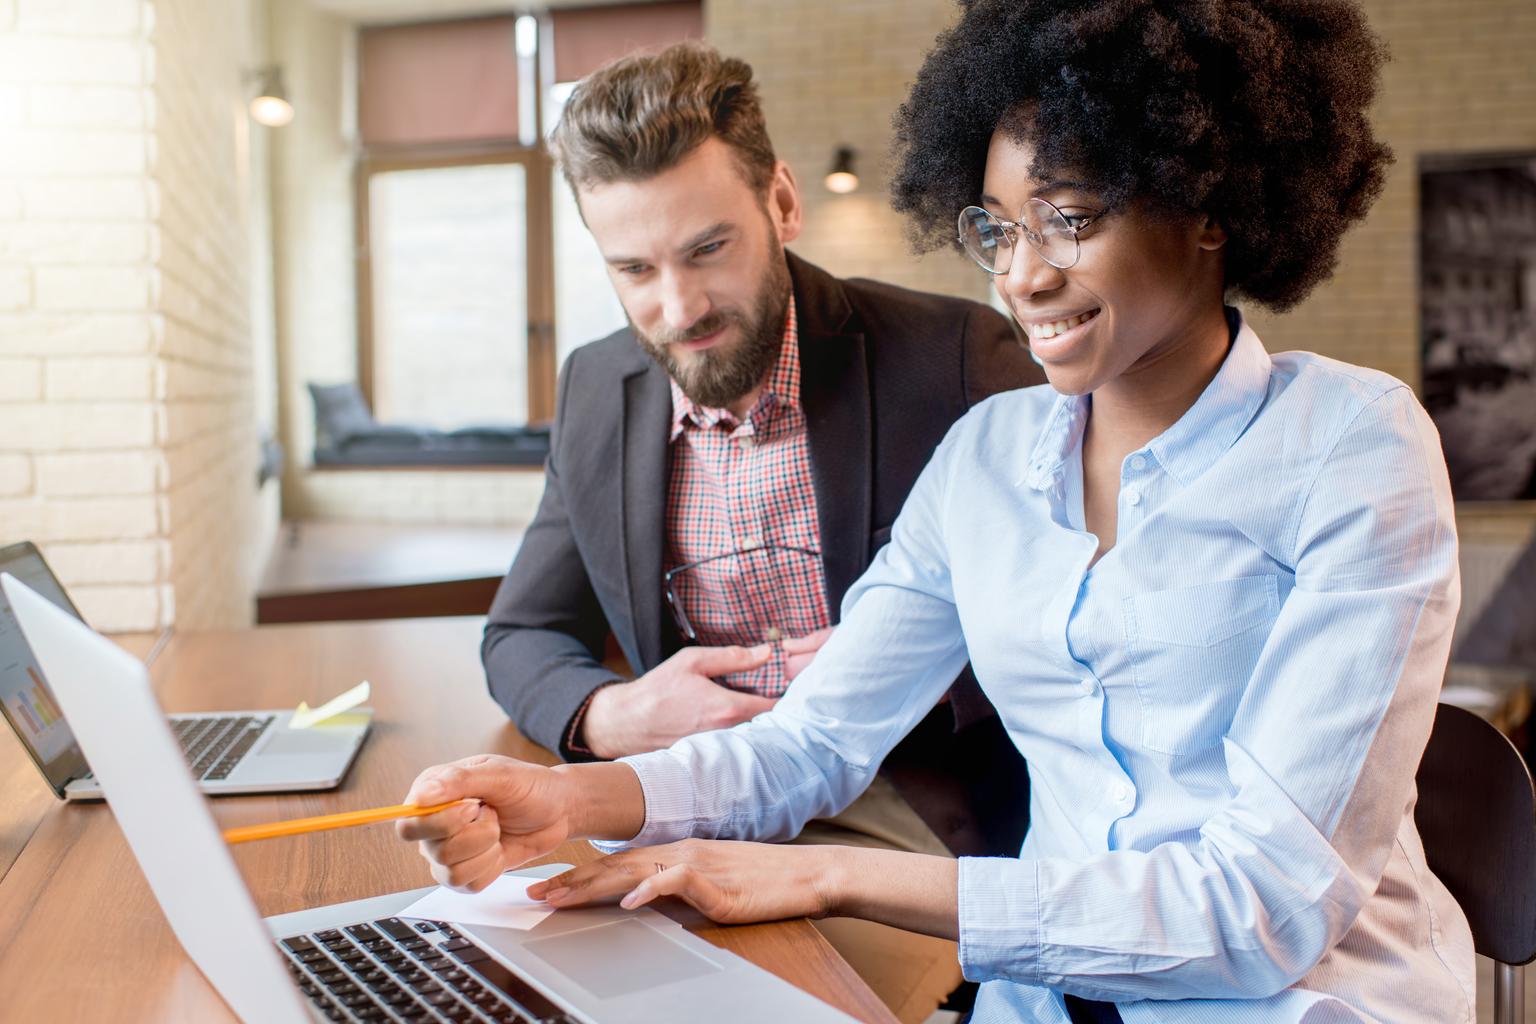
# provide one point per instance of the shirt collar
(780, 391)
(1189, 447)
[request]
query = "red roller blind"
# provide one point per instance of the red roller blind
(586, 38)
(444, 82)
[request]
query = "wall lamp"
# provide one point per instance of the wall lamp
(270, 105)
(841, 178)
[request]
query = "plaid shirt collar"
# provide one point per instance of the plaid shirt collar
(780, 392)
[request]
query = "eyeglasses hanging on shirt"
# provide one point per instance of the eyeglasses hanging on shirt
(755, 594)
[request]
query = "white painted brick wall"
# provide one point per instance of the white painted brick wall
(80, 17)
(126, 424)
(15, 475)
(95, 288)
(21, 380)
(76, 475)
(15, 287)
(130, 562)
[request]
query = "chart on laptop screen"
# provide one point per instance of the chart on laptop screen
(33, 709)
(28, 703)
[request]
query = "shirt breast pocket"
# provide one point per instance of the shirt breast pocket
(1192, 651)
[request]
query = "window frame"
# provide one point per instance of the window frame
(538, 168)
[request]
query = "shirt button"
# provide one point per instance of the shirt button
(746, 441)
(1087, 686)
(773, 634)
(1124, 794)
(1132, 497)
(1138, 462)
(751, 543)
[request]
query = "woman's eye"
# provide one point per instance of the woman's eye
(1077, 221)
(632, 269)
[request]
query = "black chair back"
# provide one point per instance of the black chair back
(1477, 816)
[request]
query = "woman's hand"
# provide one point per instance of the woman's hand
(516, 811)
(729, 882)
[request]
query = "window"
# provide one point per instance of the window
(476, 276)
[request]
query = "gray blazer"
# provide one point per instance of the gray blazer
(884, 373)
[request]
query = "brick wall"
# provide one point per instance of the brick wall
(205, 367)
(125, 412)
(830, 75)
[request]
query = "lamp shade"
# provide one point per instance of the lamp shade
(841, 178)
(270, 106)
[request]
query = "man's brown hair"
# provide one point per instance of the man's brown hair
(641, 115)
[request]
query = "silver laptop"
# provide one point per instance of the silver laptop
(228, 751)
(359, 960)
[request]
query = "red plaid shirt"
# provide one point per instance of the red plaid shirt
(743, 489)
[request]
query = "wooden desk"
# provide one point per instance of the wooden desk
(333, 572)
(81, 938)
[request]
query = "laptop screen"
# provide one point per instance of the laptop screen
(24, 695)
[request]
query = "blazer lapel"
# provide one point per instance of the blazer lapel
(643, 449)
(834, 392)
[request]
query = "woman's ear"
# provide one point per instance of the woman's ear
(1212, 235)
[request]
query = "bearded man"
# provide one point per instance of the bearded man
(724, 468)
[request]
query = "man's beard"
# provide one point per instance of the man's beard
(718, 376)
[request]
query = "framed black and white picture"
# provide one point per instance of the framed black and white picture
(1477, 288)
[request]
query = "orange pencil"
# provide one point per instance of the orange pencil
(346, 819)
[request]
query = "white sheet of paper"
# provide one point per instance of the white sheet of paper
(305, 716)
(503, 904)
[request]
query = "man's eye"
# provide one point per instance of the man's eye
(632, 269)
(709, 249)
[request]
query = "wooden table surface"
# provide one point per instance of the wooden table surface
(81, 938)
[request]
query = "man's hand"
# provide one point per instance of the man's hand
(677, 698)
(522, 814)
(800, 650)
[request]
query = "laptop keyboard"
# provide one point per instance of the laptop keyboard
(399, 970)
(213, 746)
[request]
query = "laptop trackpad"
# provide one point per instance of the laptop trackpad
(303, 741)
(617, 959)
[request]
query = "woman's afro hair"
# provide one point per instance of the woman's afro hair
(1250, 111)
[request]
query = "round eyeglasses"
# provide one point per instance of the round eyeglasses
(990, 240)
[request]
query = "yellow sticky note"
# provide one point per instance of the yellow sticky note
(305, 716)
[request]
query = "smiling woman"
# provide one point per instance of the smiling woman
(1210, 590)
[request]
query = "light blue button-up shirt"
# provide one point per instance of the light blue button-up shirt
(1222, 716)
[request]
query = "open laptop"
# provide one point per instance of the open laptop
(228, 752)
(360, 961)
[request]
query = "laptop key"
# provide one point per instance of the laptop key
(516, 988)
(299, 943)
(395, 928)
(362, 932)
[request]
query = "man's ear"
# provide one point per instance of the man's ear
(1212, 235)
(784, 207)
